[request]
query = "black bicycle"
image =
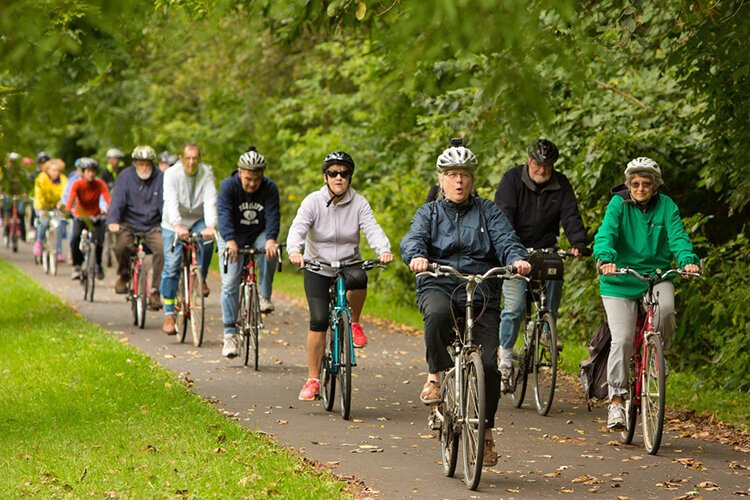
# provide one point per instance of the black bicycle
(88, 249)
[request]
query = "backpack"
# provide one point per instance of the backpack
(593, 371)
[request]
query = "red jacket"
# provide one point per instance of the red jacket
(87, 195)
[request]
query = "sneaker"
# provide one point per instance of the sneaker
(168, 326)
(430, 393)
(99, 273)
(506, 378)
(121, 285)
(37, 248)
(310, 390)
(154, 300)
(205, 289)
(489, 458)
(231, 347)
(616, 417)
(60, 257)
(266, 306)
(358, 335)
(76, 273)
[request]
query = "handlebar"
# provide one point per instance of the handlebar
(366, 265)
(585, 251)
(438, 270)
(656, 276)
(192, 238)
(248, 250)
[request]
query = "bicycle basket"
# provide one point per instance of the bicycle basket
(546, 267)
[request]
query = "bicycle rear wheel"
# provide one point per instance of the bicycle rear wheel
(631, 413)
(142, 297)
(545, 363)
(91, 271)
(133, 294)
(473, 425)
(653, 394)
(448, 431)
(182, 307)
(327, 379)
(521, 370)
(197, 310)
(255, 326)
(243, 323)
(345, 365)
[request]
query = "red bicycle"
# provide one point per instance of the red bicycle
(138, 284)
(12, 233)
(189, 305)
(648, 367)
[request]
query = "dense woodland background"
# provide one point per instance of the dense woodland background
(391, 81)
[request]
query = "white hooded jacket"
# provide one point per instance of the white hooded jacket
(184, 202)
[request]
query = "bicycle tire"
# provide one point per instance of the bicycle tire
(14, 241)
(142, 297)
(53, 262)
(653, 394)
(44, 260)
(197, 310)
(345, 365)
(242, 320)
(545, 363)
(631, 413)
(327, 378)
(447, 433)
(181, 308)
(255, 326)
(91, 270)
(132, 294)
(474, 420)
(84, 276)
(521, 370)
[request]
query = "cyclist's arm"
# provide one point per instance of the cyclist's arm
(571, 217)
(72, 196)
(225, 209)
(414, 245)
(375, 235)
(306, 215)
(271, 211)
(210, 213)
(678, 239)
(506, 197)
(507, 246)
(171, 207)
(117, 205)
(105, 194)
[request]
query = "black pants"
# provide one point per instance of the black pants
(75, 241)
(316, 289)
(437, 311)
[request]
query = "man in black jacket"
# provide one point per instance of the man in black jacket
(536, 199)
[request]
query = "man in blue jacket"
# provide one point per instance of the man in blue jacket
(248, 206)
(137, 200)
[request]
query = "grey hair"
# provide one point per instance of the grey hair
(655, 177)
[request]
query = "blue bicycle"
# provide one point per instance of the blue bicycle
(338, 358)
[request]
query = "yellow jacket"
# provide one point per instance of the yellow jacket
(47, 193)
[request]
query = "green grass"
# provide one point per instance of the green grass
(82, 414)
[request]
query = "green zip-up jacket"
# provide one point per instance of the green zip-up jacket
(644, 239)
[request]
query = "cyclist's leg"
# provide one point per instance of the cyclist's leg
(99, 228)
(622, 315)
(205, 250)
(554, 295)
(75, 242)
(170, 276)
(485, 333)
(514, 305)
(123, 249)
(154, 242)
(356, 286)
(41, 228)
(230, 284)
(316, 290)
(266, 268)
(664, 315)
(62, 233)
(436, 309)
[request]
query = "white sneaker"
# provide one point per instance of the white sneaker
(76, 273)
(616, 417)
(266, 306)
(506, 374)
(231, 347)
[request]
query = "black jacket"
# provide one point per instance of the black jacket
(137, 203)
(243, 216)
(536, 211)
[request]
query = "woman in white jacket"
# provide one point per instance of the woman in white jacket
(328, 223)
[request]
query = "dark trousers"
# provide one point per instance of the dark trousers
(438, 311)
(124, 248)
(75, 241)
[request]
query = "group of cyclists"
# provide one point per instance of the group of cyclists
(641, 230)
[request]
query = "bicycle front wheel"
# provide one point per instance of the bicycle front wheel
(52, 265)
(474, 420)
(243, 322)
(653, 394)
(181, 307)
(327, 378)
(345, 365)
(142, 297)
(545, 363)
(197, 310)
(448, 432)
(91, 272)
(521, 369)
(255, 326)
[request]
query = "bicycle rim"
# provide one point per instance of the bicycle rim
(631, 413)
(244, 324)
(521, 372)
(142, 299)
(653, 394)
(133, 295)
(181, 308)
(474, 419)
(545, 363)
(255, 326)
(447, 433)
(345, 365)
(197, 310)
(327, 379)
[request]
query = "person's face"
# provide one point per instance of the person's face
(641, 188)
(113, 161)
(89, 174)
(457, 185)
(190, 158)
(53, 172)
(539, 172)
(250, 180)
(143, 167)
(163, 165)
(338, 178)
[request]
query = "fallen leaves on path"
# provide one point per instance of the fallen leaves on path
(587, 480)
(708, 486)
(690, 463)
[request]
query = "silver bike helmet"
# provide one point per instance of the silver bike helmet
(456, 156)
(645, 166)
(114, 153)
(251, 160)
(144, 153)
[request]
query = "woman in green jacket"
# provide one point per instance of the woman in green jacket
(642, 229)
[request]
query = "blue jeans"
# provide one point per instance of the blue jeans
(514, 295)
(170, 277)
(42, 229)
(230, 282)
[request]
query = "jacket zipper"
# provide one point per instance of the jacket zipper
(458, 232)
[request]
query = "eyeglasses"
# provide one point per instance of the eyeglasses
(453, 175)
(644, 185)
(344, 174)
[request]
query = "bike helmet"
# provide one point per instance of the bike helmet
(27, 161)
(172, 159)
(338, 158)
(544, 151)
(456, 156)
(42, 157)
(144, 153)
(164, 157)
(644, 165)
(89, 163)
(115, 153)
(251, 160)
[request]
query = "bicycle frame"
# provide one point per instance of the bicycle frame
(339, 307)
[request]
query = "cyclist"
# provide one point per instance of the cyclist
(248, 207)
(328, 223)
(189, 207)
(166, 160)
(48, 190)
(472, 235)
(85, 193)
(113, 166)
(137, 206)
(14, 182)
(536, 198)
(642, 230)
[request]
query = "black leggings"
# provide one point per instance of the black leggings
(75, 241)
(318, 297)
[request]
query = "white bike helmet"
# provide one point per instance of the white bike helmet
(114, 153)
(144, 153)
(456, 156)
(252, 160)
(645, 166)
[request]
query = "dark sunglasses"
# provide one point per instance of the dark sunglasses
(646, 185)
(344, 174)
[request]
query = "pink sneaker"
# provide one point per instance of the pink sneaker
(310, 390)
(37, 248)
(358, 335)
(60, 257)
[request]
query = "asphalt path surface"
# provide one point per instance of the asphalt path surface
(386, 443)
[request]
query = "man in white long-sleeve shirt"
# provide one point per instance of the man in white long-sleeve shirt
(189, 207)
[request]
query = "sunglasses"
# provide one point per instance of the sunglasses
(645, 185)
(344, 174)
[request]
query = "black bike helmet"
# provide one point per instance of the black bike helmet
(42, 157)
(544, 151)
(338, 158)
(89, 163)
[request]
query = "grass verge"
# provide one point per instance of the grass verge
(82, 414)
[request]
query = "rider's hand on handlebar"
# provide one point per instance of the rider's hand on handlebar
(691, 268)
(181, 232)
(208, 233)
(522, 267)
(419, 265)
(271, 249)
(232, 248)
(297, 259)
(386, 258)
(607, 269)
(114, 227)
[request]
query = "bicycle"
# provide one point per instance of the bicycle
(48, 257)
(12, 231)
(88, 249)
(137, 293)
(647, 380)
(109, 248)
(338, 358)
(461, 413)
(190, 302)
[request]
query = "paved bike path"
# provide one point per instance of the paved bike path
(386, 443)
